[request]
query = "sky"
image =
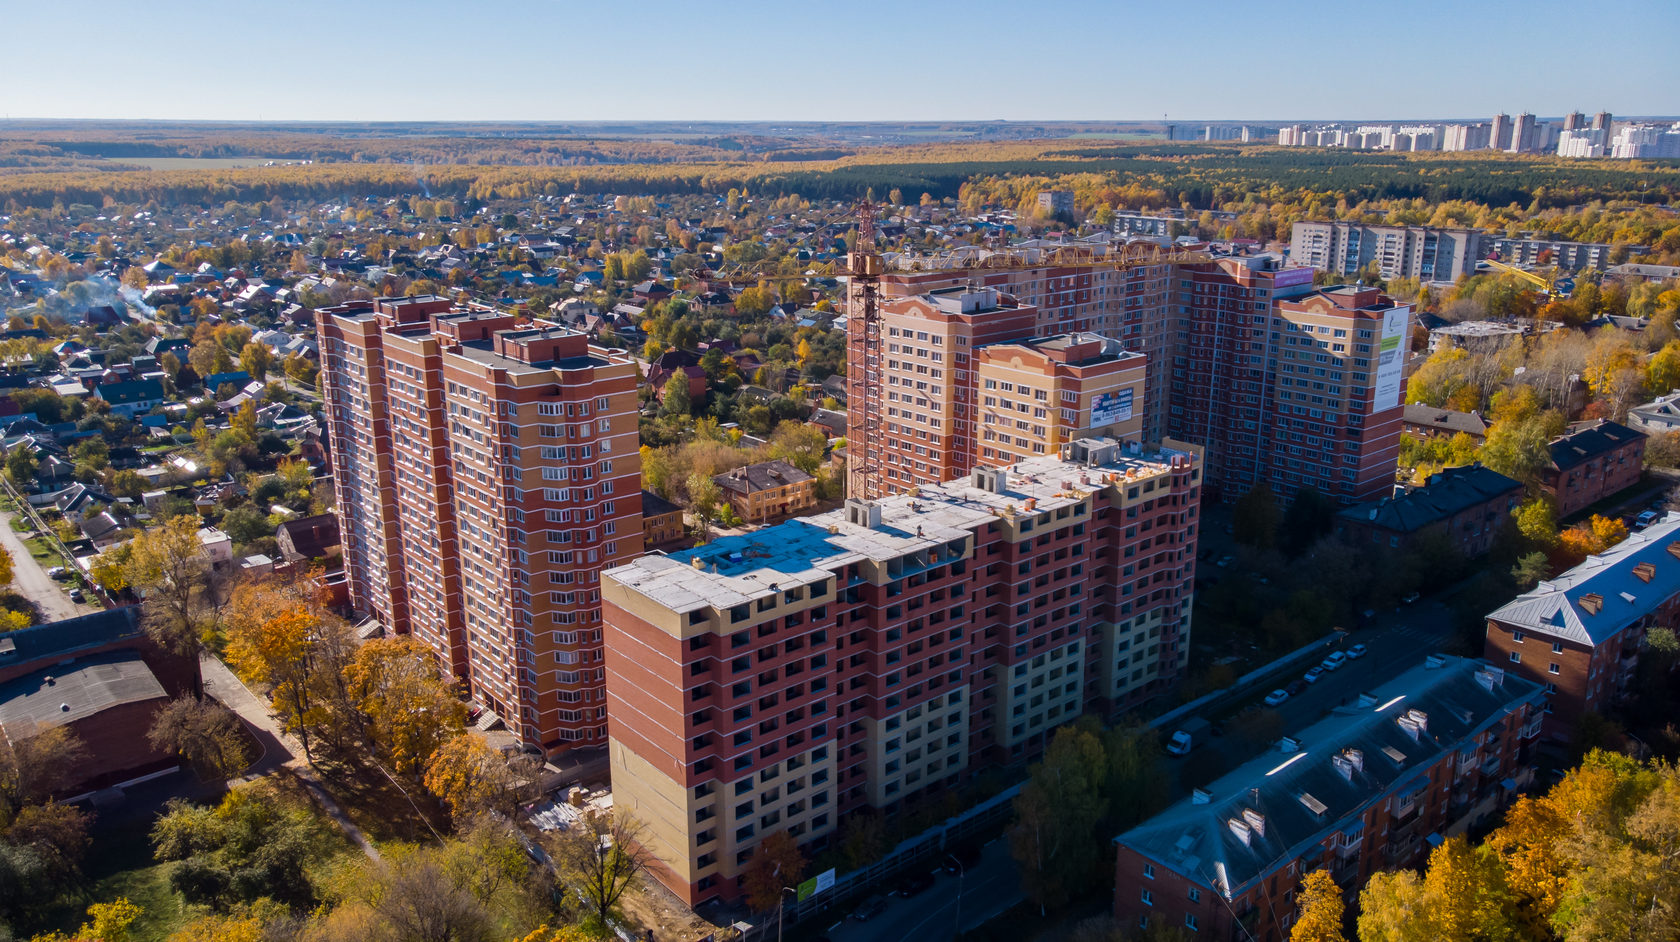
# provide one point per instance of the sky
(857, 60)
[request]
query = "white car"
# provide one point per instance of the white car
(1276, 697)
(1334, 661)
(1356, 652)
(1313, 674)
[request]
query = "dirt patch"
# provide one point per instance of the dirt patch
(649, 905)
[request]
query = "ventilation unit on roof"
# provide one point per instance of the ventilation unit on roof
(1645, 572)
(1592, 603)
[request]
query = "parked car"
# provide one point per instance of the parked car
(1645, 519)
(77, 596)
(1313, 674)
(1276, 697)
(1334, 661)
(1295, 687)
(870, 909)
(1356, 652)
(58, 572)
(915, 883)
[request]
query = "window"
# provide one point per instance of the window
(1557, 647)
(1148, 898)
(1190, 922)
(1195, 895)
(1516, 657)
(1517, 636)
(1149, 871)
(1553, 669)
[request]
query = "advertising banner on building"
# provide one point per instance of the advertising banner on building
(1111, 407)
(1290, 277)
(821, 883)
(1391, 358)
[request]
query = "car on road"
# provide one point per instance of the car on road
(77, 596)
(1356, 652)
(1334, 661)
(58, 572)
(1313, 674)
(915, 883)
(1276, 697)
(870, 909)
(1410, 597)
(1295, 687)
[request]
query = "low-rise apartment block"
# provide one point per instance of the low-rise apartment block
(1592, 462)
(1420, 252)
(875, 655)
(768, 491)
(1580, 633)
(1466, 505)
(1372, 787)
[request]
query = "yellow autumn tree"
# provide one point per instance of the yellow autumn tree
(1321, 910)
(409, 709)
(472, 778)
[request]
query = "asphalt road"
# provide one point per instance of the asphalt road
(988, 888)
(32, 582)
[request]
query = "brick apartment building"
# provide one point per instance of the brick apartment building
(875, 655)
(1591, 462)
(1468, 505)
(1580, 634)
(1278, 382)
(1039, 393)
(486, 472)
(1370, 788)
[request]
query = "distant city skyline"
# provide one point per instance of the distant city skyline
(756, 60)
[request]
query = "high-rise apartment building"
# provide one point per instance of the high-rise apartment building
(1499, 133)
(486, 473)
(1037, 394)
(1574, 121)
(928, 413)
(1602, 122)
(1422, 252)
(1524, 135)
(1461, 137)
(867, 657)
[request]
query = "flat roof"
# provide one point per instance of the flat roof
(77, 690)
(736, 569)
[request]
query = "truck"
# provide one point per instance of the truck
(1187, 737)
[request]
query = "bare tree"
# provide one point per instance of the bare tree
(203, 732)
(601, 855)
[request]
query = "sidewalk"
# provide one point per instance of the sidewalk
(279, 748)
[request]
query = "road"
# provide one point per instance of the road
(1397, 641)
(988, 888)
(31, 581)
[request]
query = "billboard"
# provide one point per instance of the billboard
(821, 883)
(1391, 359)
(1290, 277)
(1111, 407)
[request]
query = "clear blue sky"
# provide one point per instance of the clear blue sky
(371, 60)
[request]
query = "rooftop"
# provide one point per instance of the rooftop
(65, 693)
(1589, 441)
(1449, 492)
(1274, 809)
(736, 569)
(1606, 593)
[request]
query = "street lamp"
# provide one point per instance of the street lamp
(780, 899)
(962, 874)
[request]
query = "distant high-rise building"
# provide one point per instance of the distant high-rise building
(1601, 121)
(1421, 252)
(1462, 137)
(1522, 135)
(1575, 120)
(486, 473)
(1499, 133)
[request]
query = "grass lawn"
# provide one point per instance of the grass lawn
(120, 864)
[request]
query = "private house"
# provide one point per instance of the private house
(1421, 421)
(768, 491)
(132, 397)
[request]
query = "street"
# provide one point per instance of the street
(1396, 641)
(988, 888)
(32, 582)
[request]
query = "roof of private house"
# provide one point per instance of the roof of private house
(1445, 420)
(1606, 593)
(764, 476)
(65, 693)
(1589, 441)
(654, 506)
(60, 638)
(1663, 410)
(130, 391)
(1448, 492)
(1276, 808)
(311, 536)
